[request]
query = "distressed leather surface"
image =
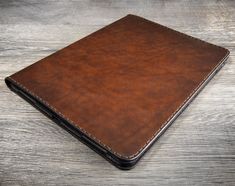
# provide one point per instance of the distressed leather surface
(121, 84)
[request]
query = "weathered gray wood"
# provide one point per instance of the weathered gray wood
(198, 149)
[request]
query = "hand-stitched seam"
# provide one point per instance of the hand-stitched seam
(190, 95)
(151, 138)
(58, 112)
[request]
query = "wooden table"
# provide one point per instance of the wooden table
(198, 149)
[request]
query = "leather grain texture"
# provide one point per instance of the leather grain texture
(123, 83)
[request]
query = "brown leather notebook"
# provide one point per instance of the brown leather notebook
(119, 88)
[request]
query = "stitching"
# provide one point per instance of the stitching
(152, 137)
(58, 112)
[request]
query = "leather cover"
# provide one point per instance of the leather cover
(122, 84)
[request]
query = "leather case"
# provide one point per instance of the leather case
(118, 89)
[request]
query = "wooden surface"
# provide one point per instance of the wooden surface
(198, 149)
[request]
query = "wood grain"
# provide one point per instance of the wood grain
(198, 149)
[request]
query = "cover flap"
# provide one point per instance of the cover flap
(123, 83)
